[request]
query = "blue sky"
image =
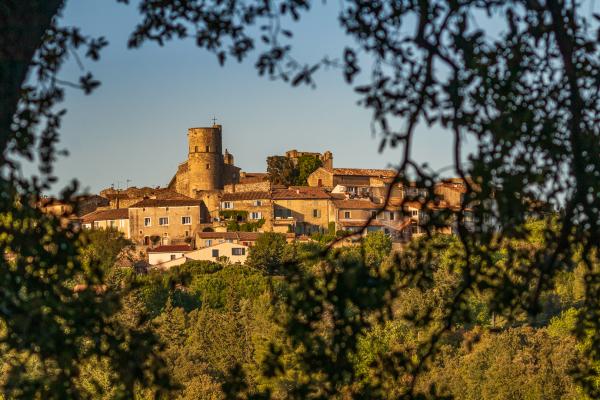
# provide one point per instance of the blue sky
(134, 126)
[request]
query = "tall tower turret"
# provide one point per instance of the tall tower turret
(228, 158)
(205, 159)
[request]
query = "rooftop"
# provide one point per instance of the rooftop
(170, 248)
(106, 215)
(300, 192)
(386, 173)
(167, 203)
(357, 204)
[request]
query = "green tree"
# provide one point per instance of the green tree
(267, 254)
(281, 170)
(306, 166)
(376, 246)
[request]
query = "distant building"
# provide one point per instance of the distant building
(207, 167)
(162, 254)
(364, 215)
(104, 219)
(326, 158)
(168, 221)
(354, 179)
(302, 210)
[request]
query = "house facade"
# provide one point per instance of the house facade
(108, 219)
(244, 207)
(302, 210)
(167, 221)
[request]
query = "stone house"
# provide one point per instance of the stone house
(233, 252)
(353, 214)
(303, 210)
(162, 254)
(104, 219)
(168, 221)
(356, 180)
(256, 207)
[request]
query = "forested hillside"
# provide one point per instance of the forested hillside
(227, 328)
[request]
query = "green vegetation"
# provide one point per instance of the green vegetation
(283, 171)
(222, 324)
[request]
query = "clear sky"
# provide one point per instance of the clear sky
(134, 125)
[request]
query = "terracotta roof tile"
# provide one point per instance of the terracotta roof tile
(106, 215)
(357, 204)
(166, 203)
(293, 193)
(170, 248)
(385, 173)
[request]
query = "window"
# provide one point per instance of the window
(238, 251)
(215, 253)
(111, 223)
(173, 256)
(320, 182)
(208, 242)
(346, 214)
(163, 221)
(208, 149)
(373, 214)
(255, 215)
(414, 213)
(187, 233)
(316, 213)
(96, 224)
(186, 220)
(227, 205)
(257, 203)
(196, 149)
(207, 166)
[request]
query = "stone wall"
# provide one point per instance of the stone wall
(264, 186)
(175, 232)
(303, 213)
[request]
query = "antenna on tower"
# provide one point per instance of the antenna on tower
(214, 120)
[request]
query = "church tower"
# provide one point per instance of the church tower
(205, 159)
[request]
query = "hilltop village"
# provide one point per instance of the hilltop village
(211, 208)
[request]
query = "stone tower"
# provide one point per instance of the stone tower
(205, 159)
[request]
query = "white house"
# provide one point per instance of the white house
(162, 254)
(164, 260)
(234, 252)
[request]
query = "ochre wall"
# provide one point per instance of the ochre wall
(176, 231)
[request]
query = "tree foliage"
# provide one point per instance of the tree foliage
(283, 170)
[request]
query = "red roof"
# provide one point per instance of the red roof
(357, 204)
(106, 215)
(386, 173)
(170, 248)
(166, 203)
(300, 192)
